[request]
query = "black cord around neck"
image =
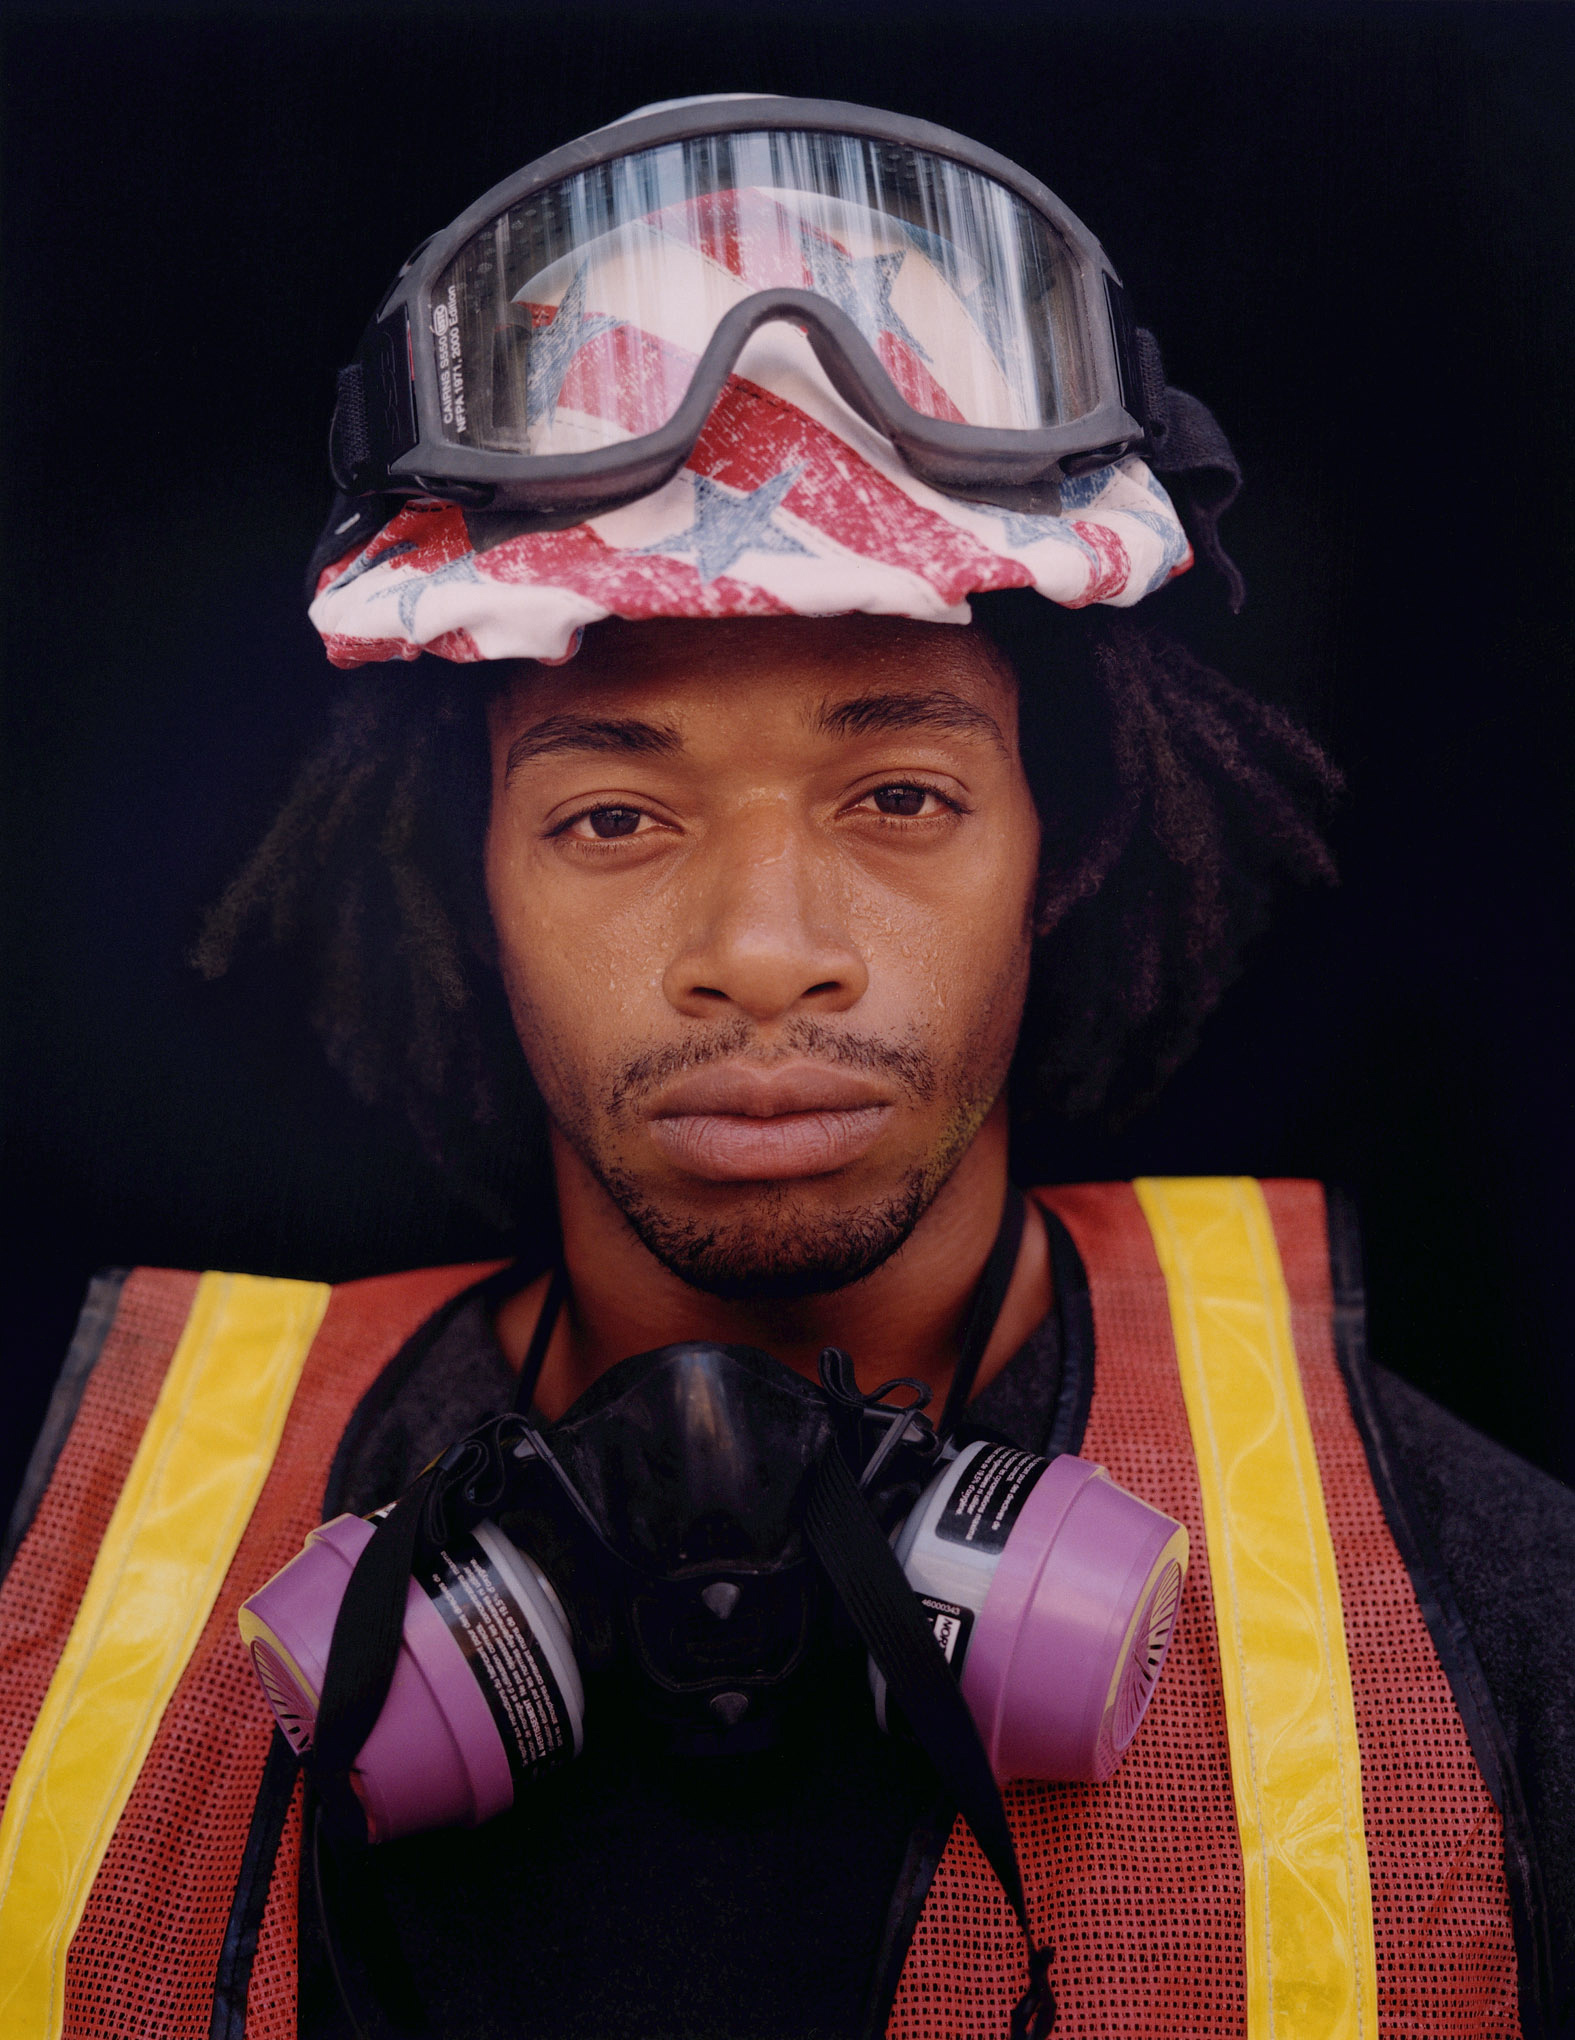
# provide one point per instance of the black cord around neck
(994, 1282)
(541, 1338)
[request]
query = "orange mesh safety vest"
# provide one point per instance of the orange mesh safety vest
(1302, 1843)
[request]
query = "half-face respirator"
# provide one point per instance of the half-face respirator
(708, 1530)
(664, 1532)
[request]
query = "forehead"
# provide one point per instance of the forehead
(724, 676)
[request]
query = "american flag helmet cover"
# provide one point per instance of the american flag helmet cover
(789, 504)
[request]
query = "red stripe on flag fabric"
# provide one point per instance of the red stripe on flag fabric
(438, 532)
(747, 233)
(631, 585)
(435, 531)
(631, 377)
(915, 384)
(1114, 569)
(345, 650)
(457, 645)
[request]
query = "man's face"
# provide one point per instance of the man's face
(762, 892)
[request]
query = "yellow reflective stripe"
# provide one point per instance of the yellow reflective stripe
(1295, 1767)
(187, 1499)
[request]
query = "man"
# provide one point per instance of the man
(761, 854)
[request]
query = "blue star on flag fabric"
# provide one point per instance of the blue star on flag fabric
(1021, 529)
(369, 560)
(731, 522)
(861, 286)
(554, 346)
(410, 590)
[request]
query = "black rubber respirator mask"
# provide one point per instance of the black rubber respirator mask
(701, 1526)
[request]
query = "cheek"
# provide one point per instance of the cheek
(576, 965)
(949, 955)
(946, 942)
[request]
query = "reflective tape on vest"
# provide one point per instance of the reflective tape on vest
(1311, 1968)
(198, 1471)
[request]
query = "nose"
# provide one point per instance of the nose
(768, 937)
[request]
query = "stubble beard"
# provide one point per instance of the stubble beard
(783, 1248)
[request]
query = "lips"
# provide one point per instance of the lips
(739, 1123)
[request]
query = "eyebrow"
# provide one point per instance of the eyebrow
(876, 714)
(589, 733)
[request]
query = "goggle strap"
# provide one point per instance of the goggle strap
(353, 522)
(1184, 438)
(365, 1646)
(349, 440)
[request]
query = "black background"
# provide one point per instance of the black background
(1350, 228)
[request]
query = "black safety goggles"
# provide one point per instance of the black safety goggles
(559, 348)
(557, 351)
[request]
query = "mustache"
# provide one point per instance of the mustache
(906, 1064)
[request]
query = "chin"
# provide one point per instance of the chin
(784, 1247)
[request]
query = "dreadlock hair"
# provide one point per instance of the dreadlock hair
(1170, 802)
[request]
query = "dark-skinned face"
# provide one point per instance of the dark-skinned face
(763, 892)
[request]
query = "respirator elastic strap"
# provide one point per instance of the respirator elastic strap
(361, 1660)
(847, 1539)
(365, 1645)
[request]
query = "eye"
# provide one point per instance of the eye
(607, 823)
(906, 801)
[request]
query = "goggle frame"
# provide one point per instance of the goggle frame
(388, 438)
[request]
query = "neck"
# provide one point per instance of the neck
(905, 1318)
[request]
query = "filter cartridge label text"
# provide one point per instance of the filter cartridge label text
(989, 1498)
(500, 1647)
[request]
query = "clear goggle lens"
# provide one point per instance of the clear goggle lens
(576, 319)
